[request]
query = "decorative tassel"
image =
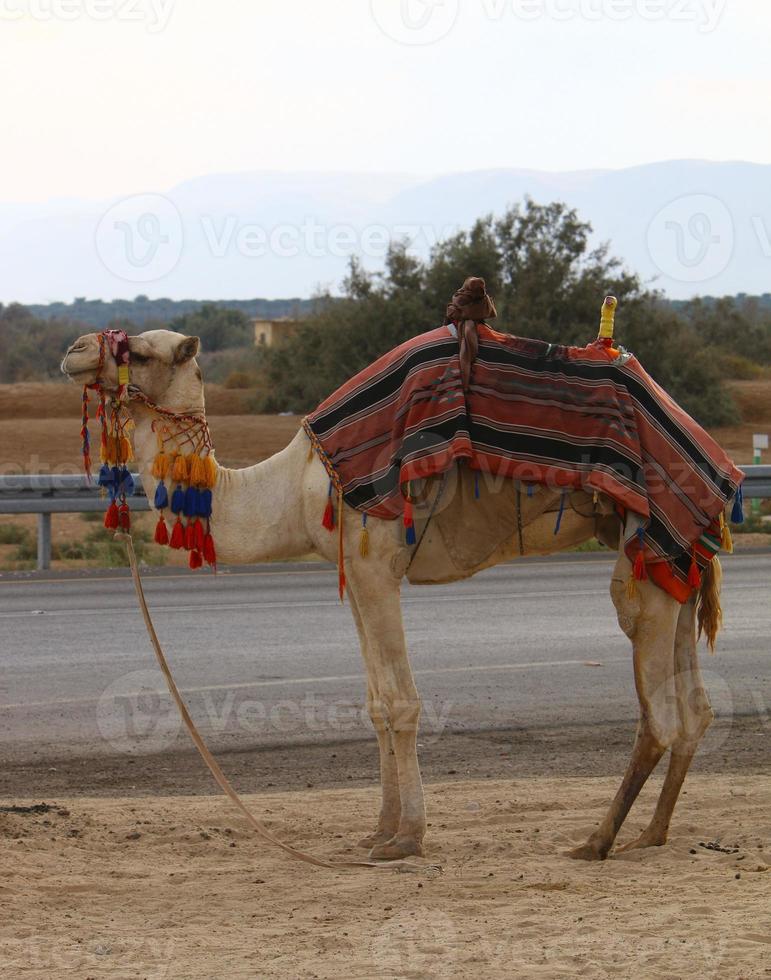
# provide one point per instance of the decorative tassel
(364, 537)
(640, 572)
(195, 560)
(191, 504)
(126, 482)
(530, 489)
(126, 452)
(161, 497)
(177, 539)
(124, 517)
(737, 511)
(161, 466)
(204, 503)
(726, 541)
(209, 553)
(409, 522)
(161, 532)
(177, 500)
(560, 512)
(111, 517)
(198, 534)
(189, 536)
(180, 471)
(340, 554)
(105, 476)
(476, 485)
(197, 471)
(631, 587)
(328, 520)
(211, 470)
(694, 577)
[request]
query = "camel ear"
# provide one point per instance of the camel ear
(186, 349)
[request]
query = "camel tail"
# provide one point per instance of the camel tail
(709, 612)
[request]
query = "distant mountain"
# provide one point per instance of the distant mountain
(689, 227)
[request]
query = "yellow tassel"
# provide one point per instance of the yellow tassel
(126, 452)
(161, 465)
(197, 471)
(726, 541)
(631, 588)
(180, 471)
(210, 468)
(364, 542)
(112, 451)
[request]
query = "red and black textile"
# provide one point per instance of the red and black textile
(568, 417)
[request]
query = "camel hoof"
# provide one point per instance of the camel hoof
(587, 852)
(642, 841)
(397, 847)
(379, 837)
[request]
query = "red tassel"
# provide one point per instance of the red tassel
(694, 576)
(328, 520)
(189, 536)
(177, 535)
(640, 571)
(198, 534)
(408, 522)
(195, 560)
(124, 517)
(208, 550)
(111, 517)
(161, 531)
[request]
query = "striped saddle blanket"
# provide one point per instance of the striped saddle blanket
(571, 418)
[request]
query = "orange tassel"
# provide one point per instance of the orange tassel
(180, 471)
(161, 465)
(111, 517)
(210, 466)
(195, 560)
(177, 539)
(340, 554)
(640, 571)
(161, 532)
(126, 452)
(197, 471)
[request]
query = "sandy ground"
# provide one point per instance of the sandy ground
(177, 887)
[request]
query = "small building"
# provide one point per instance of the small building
(272, 333)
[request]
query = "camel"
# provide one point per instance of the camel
(272, 510)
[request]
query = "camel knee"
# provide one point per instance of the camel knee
(628, 608)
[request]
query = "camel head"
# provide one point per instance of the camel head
(162, 365)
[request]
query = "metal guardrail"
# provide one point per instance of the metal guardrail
(45, 494)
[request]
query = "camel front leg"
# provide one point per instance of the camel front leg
(649, 619)
(695, 715)
(395, 701)
(390, 808)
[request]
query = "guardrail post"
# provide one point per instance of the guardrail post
(43, 541)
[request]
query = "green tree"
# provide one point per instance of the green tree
(217, 326)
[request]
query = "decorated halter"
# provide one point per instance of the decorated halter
(184, 458)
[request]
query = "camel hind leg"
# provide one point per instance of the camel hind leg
(650, 620)
(695, 714)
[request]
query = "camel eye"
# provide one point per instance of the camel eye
(139, 358)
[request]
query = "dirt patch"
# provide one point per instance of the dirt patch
(179, 887)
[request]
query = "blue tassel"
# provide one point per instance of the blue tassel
(410, 535)
(126, 482)
(641, 536)
(177, 500)
(476, 487)
(737, 511)
(190, 506)
(161, 496)
(204, 503)
(105, 476)
(530, 489)
(560, 512)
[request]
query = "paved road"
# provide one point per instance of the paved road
(269, 657)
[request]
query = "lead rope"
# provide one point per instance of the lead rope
(214, 768)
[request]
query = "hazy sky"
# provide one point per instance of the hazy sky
(118, 96)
